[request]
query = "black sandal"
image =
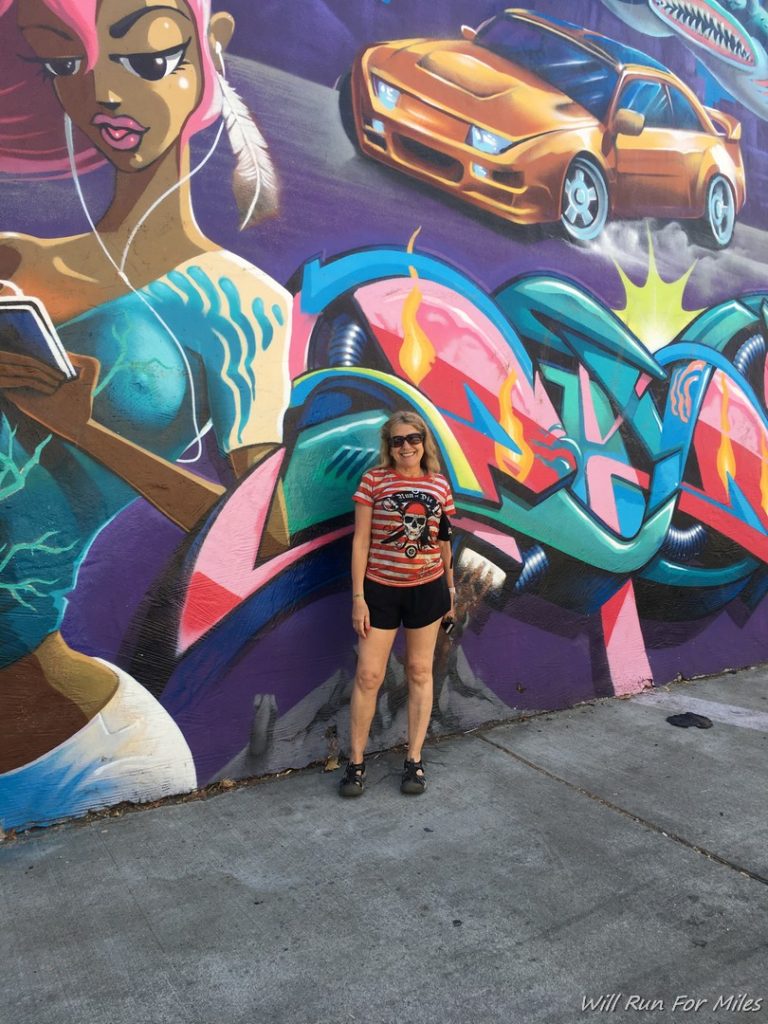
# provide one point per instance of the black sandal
(414, 781)
(353, 780)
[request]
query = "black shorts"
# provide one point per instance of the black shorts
(415, 607)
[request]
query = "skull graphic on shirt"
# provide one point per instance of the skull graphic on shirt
(414, 521)
(415, 508)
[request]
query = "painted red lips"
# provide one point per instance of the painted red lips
(123, 133)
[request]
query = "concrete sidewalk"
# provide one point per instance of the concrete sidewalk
(594, 854)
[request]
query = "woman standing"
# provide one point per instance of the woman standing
(402, 572)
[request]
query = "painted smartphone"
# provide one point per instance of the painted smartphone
(26, 329)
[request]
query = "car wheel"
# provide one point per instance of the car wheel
(346, 108)
(716, 226)
(585, 201)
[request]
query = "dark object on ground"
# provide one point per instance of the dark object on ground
(688, 720)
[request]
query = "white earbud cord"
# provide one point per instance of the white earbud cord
(13, 286)
(120, 268)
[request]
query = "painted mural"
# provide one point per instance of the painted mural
(228, 256)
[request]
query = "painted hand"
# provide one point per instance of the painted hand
(63, 407)
(19, 371)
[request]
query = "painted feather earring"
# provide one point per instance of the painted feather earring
(254, 182)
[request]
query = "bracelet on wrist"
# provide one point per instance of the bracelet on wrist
(451, 590)
(358, 595)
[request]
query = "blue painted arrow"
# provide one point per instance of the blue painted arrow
(324, 282)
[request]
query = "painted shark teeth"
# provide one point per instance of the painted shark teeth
(706, 26)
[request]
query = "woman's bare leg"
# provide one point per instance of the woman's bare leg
(419, 658)
(373, 654)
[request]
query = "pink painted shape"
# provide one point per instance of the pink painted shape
(232, 542)
(744, 426)
(225, 565)
(601, 470)
(502, 541)
(302, 325)
(641, 384)
(250, 579)
(749, 439)
(463, 336)
(624, 644)
(464, 339)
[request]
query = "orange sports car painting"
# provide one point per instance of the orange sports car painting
(540, 121)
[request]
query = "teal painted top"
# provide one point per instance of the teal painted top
(231, 323)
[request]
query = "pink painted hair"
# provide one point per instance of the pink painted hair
(31, 120)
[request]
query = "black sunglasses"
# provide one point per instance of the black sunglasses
(413, 439)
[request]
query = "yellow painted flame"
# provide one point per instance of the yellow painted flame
(417, 353)
(764, 474)
(654, 310)
(517, 465)
(726, 463)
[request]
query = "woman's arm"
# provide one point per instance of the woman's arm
(65, 408)
(446, 553)
(361, 545)
(180, 495)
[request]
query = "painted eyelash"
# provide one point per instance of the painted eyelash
(43, 72)
(48, 76)
(117, 57)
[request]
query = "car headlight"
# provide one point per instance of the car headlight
(487, 142)
(386, 94)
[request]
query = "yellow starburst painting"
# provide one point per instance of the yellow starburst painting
(654, 310)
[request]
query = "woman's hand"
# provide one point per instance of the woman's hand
(361, 544)
(450, 615)
(63, 407)
(361, 619)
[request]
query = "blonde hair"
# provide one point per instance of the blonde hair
(430, 461)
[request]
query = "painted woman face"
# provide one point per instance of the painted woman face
(133, 104)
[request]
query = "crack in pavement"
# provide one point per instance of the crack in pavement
(709, 854)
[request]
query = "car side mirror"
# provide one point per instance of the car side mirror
(468, 33)
(628, 122)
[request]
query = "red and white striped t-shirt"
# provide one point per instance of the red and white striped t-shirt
(406, 514)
